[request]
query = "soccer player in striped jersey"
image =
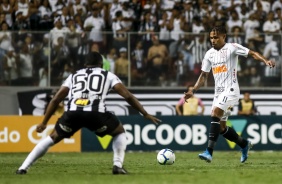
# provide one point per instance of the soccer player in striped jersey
(87, 90)
(222, 59)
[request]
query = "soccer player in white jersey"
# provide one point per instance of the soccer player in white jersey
(222, 59)
(87, 90)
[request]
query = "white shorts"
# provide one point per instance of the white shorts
(225, 101)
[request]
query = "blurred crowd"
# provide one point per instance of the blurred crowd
(144, 42)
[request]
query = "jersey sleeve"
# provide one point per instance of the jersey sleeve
(114, 80)
(240, 50)
(206, 64)
(68, 82)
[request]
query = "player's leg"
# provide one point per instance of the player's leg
(38, 151)
(64, 128)
(230, 134)
(119, 147)
(213, 134)
(110, 125)
(219, 104)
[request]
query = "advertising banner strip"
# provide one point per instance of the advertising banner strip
(187, 133)
(190, 133)
(18, 134)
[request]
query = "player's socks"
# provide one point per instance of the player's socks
(38, 151)
(119, 147)
(210, 150)
(230, 134)
(213, 134)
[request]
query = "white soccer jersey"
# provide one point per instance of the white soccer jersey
(89, 88)
(224, 63)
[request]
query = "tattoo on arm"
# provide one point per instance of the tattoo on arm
(201, 80)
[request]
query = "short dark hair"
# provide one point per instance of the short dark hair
(236, 27)
(219, 29)
(94, 58)
(118, 13)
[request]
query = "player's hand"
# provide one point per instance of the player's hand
(40, 128)
(270, 63)
(153, 119)
(188, 95)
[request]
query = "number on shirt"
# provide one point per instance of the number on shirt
(92, 82)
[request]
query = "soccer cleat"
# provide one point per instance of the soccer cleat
(21, 171)
(206, 156)
(245, 151)
(118, 170)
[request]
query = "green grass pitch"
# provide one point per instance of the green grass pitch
(95, 168)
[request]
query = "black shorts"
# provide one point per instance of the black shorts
(100, 123)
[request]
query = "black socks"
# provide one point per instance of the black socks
(213, 134)
(230, 134)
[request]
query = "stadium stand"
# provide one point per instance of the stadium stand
(43, 40)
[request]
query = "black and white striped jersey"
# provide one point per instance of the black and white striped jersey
(89, 88)
(224, 64)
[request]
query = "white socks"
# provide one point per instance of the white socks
(119, 147)
(38, 151)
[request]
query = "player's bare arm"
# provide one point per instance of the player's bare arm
(200, 82)
(52, 106)
(258, 56)
(133, 101)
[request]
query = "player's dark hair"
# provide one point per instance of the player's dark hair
(219, 29)
(94, 58)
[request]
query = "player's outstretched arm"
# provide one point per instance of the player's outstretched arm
(200, 82)
(133, 101)
(259, 57)
(52, 106)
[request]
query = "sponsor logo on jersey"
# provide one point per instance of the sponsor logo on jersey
(220, 89)
(82, 102)
(219, 69)
(234, 76)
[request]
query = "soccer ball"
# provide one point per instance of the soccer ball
(166, 157)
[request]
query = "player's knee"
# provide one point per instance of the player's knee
(118, 130)
(217, 112)
(55, 137)
(222, 127)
